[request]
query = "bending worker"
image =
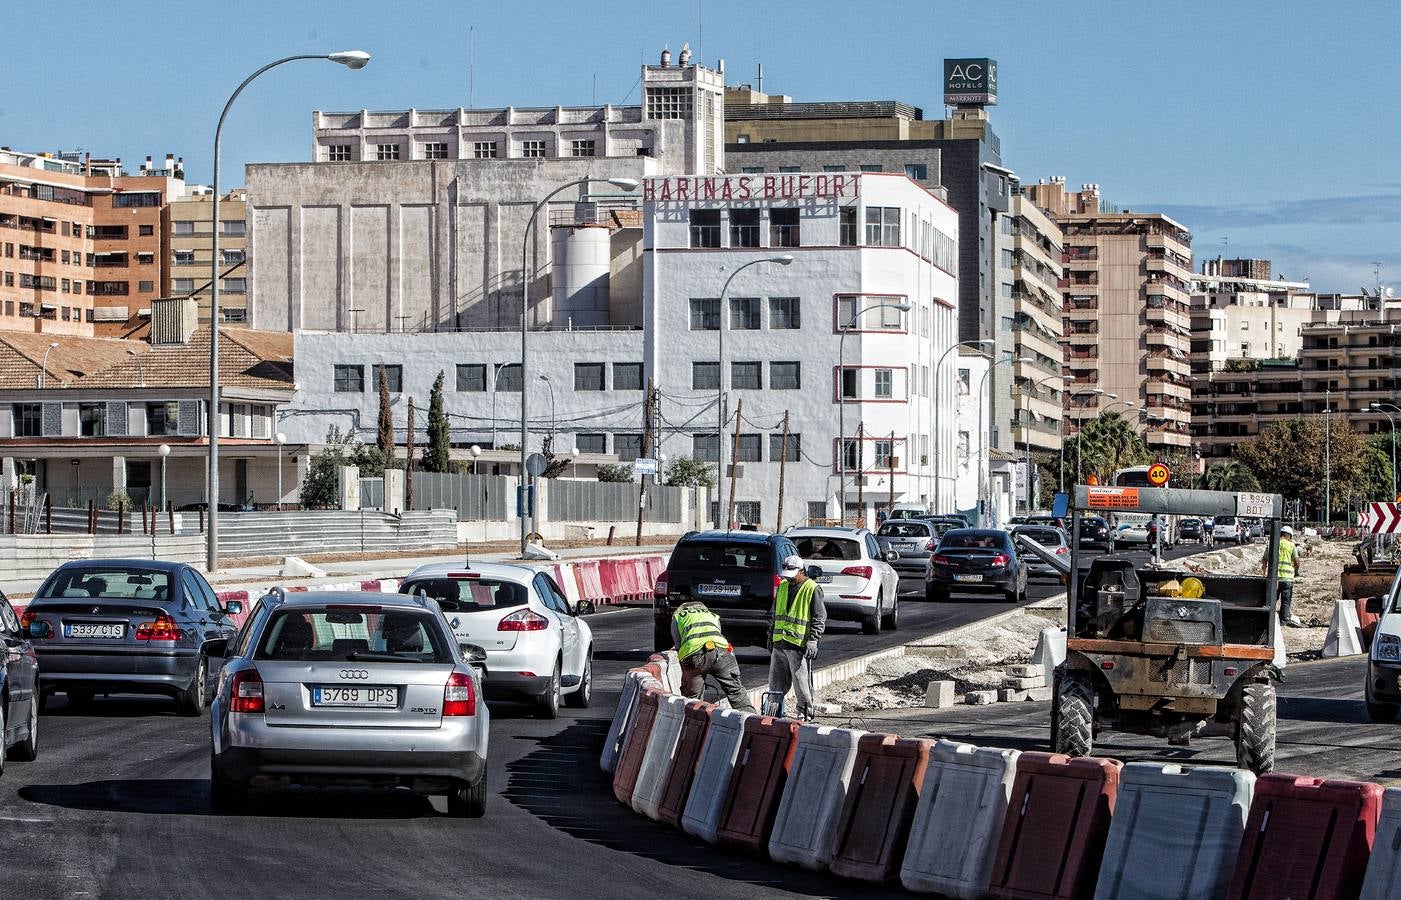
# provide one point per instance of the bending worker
(703, 651)
(799, 619)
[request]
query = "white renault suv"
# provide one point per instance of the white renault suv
(538, 648)
(858, 582)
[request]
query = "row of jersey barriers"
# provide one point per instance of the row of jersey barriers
(947, 818)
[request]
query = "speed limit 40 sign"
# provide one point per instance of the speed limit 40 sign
(1158, 474)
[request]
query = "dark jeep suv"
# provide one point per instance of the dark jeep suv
(735, 573)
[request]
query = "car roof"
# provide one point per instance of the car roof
(313, 599)
(504, 571)
(757, 537)
(976, 532)
(159, 565)
(1039, 529)
(830, 531)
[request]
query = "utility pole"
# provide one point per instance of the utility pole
(890, 462)
(408, 466)
(860, 479)
(734, 464)
(1327, 457)
(647, 425)
(782, 463)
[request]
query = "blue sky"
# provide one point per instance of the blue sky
(1271, 124)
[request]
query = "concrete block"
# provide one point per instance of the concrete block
(941, 652)
(1025, 671)
(1021, 684)
(296, 567)
(829, 709)
(1010, 695)
(1344, 631)
(980, 698)
(939, 694)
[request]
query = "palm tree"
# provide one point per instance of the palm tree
(1229, 475)
(1110, 443)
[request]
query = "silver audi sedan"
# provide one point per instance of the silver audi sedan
(358, 688)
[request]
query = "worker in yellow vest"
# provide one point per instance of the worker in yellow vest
(1286, 573)
(799, 620)
(702, 649)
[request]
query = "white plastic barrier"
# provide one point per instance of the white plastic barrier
(701, 817)
(1344, 636)
(622, 719)
(958, 820)
(656, 762)
(1174, 833)
(1383, 881)
(671, 670)
(808, 813)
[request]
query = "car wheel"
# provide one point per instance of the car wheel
(892, 619)
(580, 698)
(871, 624)
(547, 704)
(2, 735)
(226, 796)
(29, 750)
(190, 702)
(1379, 711)
(469, 801)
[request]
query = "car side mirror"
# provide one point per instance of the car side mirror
(585, 608)
(813, 572)
(472, 653)
(39, 629)
(218, 648)
(892, 556)
(233, 607)
(1374, 605)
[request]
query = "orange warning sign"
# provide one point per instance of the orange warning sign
(1158, 474)
(1113, 498)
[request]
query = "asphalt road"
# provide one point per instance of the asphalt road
(116, 806)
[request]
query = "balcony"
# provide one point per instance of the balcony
(1080, 301)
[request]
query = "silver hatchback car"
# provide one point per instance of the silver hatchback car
(359, 688)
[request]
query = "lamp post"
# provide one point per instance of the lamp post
(785, 259)
(44, 366)
(1380, 407)
(280, 439)
(476, 452)
(351, 59)
(140, 369)
(163, 451)
(573, 462)
(1328, 457)
(554, 418)
(626, 184)
(983, 441)
(1094, 392)
(938, 396)
(903, 306)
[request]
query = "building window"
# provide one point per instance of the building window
(781, 452)
(705, 447)
(785, 313)
(484, 149)
(28, 419)
(235, 285)
(66, 315)
(508, 377)
(750, 448)
(232, 257)
(183, 285)
(705, 228)
(471, 377)
(885, 384)
(669, 103)
(817, 511)
(851, 383)
(435, 150)
(627, 376)
(744, 228)
(917, 171)
(705, 376)
(163, 418)
(744, 313)
(26, 310)
(233, 314)
(533, 149)
(148, 287)
(885, 453)
(145, 230)
(183, 257)
(627, 446)
(783, 227)
(582, 148)
(129, 200)
(145, 259)
(1009, 259)
(705, 313)
(235, 227)
(338, 153)
(588, 376)
(386, 152)
(882, 226)
(182, 227)
(92, 419)
(747, 376)
(349, 379)
(850, 231)
(871, 167)
(878, 312)
(591, 443)
(785, 376)
(393, 374)
(851, 454)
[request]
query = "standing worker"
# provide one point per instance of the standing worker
(799, 620)
(1288, 570)
(702, 649)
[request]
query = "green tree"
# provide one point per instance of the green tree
(320, 486)
(385, 439)
(1288, 458)
(1106, 443)
(687, 471)
(1229, 475)
(435, 455)
(615, 473)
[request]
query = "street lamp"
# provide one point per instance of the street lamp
(281, 439)
(164, 451)
(1093, 392)
(140, 369)
(1080, 428)
(785, 259)
(476, 452)
(626, 184)
(574, 462)
(1380, 407)
(554, 419)
(44, 366)
(351, 59)
(938, 396)
(903, 306)
(982, 430)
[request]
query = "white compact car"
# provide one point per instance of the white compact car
(858, 582)
(1382, 690)
(537, 646)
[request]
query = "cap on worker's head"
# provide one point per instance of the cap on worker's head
(1289, 530)
(792, 565)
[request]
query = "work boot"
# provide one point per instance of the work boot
(1293, 622)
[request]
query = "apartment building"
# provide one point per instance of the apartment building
(1034, 258)
(1126, 300)
(192, 243)
(82, 244)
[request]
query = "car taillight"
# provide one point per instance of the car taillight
(858, 571)
(1061, 551)
(460, 696)
(1000, 559)
(524, 620)
(162, 629)
(662, 585)
(939, 560)
(929, 547)
(246, 692)
(27, 618)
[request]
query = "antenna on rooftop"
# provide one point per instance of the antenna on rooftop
(471, 67)
(759, 79)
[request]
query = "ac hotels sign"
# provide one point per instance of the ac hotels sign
(735, 188)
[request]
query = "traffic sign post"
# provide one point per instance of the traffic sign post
(1158, 474)
(642, 466)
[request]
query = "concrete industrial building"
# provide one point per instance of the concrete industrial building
(192, 242)
(1126, 298)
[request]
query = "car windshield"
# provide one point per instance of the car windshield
(974, 540)
(1048, 537)
(353, 633)
(904, 529)
(108, 583)
(468, 594)
(754, 557)
(909, 514)
(1093, 522)
(817, 547)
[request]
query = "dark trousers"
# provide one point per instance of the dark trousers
(1286, 597)
(718, 664)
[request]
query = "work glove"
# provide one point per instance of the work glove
(810, 651)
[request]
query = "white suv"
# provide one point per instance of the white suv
(858, 582)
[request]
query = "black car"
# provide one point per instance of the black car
(734, 573)
(1095, 532)
(976, 559)
(19, 684)
(1189, 529)
(128, 626)
(1049, 521)
(914, 540)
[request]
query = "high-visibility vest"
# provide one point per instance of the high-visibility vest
(698, 628)
(1287, 554)
(792, 616)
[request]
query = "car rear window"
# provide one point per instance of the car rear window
(1049, 537)
(904, 529)
(909, 514)
(1225, 520)
(351, 634)
(814, 547)
(108, 583)
(971, 540)
(717, 555)
(468, 594)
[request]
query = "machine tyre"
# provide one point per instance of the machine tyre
(1073, 717)
(1255, 729)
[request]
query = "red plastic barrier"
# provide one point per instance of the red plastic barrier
(642, 575)
(1368, 621)
(1306, 838)
(630, 760)
(624, 584)
(370, 585)
(590, 582)
(608, 580)
(695, 724)
(756, 785)
(1057, 820)
(875, 818)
